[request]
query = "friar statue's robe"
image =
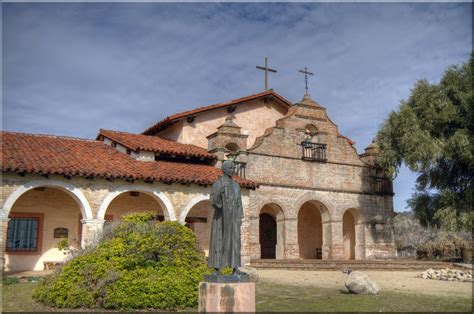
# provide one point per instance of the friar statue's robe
(226, 199)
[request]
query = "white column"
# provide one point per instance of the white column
(91, 231)
(3, 237)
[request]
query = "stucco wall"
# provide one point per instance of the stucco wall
(254, 117)
(126, 204)
(202, 230)
(60, 211)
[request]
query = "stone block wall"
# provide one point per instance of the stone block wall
(333, 186)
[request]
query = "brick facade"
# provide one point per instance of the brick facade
(340, 182)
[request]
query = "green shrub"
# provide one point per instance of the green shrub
(447, 247)
(139, 217)
(63, 244)
(136, 265)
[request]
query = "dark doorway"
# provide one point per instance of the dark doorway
(268, 236)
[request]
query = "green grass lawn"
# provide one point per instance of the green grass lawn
(273, 297)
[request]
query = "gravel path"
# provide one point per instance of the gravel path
(398, 281)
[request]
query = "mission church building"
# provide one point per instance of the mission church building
(306, 192)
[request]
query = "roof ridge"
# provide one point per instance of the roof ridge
(197, 110)
(50, 136)
(152, 143)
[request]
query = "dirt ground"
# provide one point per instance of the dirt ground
(397, 281)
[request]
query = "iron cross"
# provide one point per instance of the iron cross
(266, 69)
(306, 73)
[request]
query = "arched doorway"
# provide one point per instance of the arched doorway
(199, 220)
(135, 198)
(348, 234)
(132, 202)
(310, 230)
(271, 232)
(268, 236)
(39, 219)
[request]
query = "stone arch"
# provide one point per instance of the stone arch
(156, 194)
(190, 205)
(198, 216)
(313, 197)
(261, 204)
(232, 147)
(313, 217)
(353, 233)
(69, 188)
(356, 212)
(271, 231)
(311, 129)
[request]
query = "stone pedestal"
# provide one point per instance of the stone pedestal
(227, 297)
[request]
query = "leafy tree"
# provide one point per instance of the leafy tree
(432, 133)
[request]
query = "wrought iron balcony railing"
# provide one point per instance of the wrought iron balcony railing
(313, 151)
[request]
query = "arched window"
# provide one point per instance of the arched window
(311, 129)
(310, 132)
(232, 147)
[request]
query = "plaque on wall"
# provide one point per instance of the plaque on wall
(61, 233)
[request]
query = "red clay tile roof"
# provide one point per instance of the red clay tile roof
(48, 155)
(168, 120)
(137, 142)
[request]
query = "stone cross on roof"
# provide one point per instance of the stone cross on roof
(306, 73)
(266, 69)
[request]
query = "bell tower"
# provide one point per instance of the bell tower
(227, 140)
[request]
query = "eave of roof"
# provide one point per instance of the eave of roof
(55, 155)
(173, 118)
(140, 142)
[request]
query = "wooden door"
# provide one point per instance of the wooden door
(268, 236)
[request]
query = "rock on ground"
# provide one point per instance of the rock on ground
(359, 283)
(447, 274)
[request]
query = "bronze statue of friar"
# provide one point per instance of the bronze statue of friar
(224, 250)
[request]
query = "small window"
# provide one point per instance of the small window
(134, 193)
(309, 133)
(232, 147)
(311, 129)
(24, 233)
(129, 151)
(113, 144)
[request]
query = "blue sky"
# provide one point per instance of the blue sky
(70, 69)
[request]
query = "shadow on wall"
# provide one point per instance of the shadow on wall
(377, 218)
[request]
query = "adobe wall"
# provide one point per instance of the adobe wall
(254, 117)
(60, 211)
(126, 204)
